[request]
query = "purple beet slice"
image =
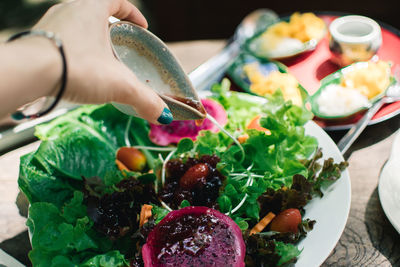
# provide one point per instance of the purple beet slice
(172, 133)
(195, 236)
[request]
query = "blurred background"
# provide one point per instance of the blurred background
(177, 20)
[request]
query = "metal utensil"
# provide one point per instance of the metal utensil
(392, 95)
(7, 260)
(213, 69)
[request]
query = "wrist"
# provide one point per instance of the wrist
(37, 60)
(46, 58)
(32, 68)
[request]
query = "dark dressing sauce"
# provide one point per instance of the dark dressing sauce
(194, 104)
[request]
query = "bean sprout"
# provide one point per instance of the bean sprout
(155, 148)
(211, 118)
(164, 166)
(126, 134)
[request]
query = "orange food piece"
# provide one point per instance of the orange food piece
(255, 124)
(243, 138)
(132, 158)
(263, 223)
(121, 167)
(145, 214)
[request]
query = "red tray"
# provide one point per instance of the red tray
(309, 68)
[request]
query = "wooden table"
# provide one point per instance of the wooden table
(368, 239)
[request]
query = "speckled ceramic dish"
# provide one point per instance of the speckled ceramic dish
(255, 46)
(335, 78)
(265, 67)
(154, 65)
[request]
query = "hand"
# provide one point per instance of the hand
(94, 74)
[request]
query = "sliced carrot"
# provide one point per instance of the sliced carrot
(255, 124)
(121, 167)
(145, 214)
(263, 223)
(243, 138)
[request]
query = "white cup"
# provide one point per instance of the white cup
(354, 38)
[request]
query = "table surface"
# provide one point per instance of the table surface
(368, 239)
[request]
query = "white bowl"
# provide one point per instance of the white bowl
(354, 38)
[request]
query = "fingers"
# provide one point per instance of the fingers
(124, 10)
(129, 90)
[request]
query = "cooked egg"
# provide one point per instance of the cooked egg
(301, 28)
(263, 85)
(370, 79)
(359, 84)
(306, 26)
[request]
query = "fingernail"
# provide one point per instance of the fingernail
(165, 117)
(18, 116)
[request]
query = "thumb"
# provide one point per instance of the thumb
(145, 101)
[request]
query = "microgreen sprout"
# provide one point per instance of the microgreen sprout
(126, 133)
(164, 166)
(165, 205)
(222, 129)
(155, 148)
(248, 183)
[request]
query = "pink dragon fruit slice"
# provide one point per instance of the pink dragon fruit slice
(164, 135)
(195, 236)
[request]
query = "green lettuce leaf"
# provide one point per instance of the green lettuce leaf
(40, 186)
(64, 237)
(158, 213)
(110, 259)
(288, 253)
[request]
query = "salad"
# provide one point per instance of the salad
(103, 193)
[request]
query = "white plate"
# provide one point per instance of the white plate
(389, 185)
(331, 211)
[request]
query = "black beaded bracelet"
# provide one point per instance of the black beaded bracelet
(19, 115)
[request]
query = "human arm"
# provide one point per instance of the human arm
(32, 65)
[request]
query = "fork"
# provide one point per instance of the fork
(392, 95)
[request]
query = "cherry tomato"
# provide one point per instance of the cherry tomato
(132, 158)
(286, 221)
(194, 175)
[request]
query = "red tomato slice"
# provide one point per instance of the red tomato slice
(132, 158)
(286, 221)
